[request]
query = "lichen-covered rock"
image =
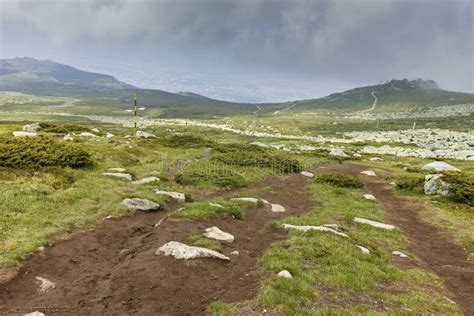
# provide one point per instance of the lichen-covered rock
(146, 180)
(45, 285)
(217, 234)
(140, 204)
(373, 223)
(439, 166)
(434, 184)
(182, 251)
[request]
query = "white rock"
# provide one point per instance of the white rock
(375, 159)
(117, 169)
(34, 314)
(182, 251)
(87, 134)
(246, 199)
(373, 223)
(260, 144)
(179, 197)
(125, 176)
(68, 137)
(109, 135)
(370, 197)
(31, 127)
(307, 174)
(335, 226)
(276, 208)
(217, 234)
(140, 204)
(24, 134)
(142, 134)
(146, 180)
(216, 205)
(338, 152)
(45, 285)
(285, 274)
(400, 254)
(369, 173)
(235, 253)
(319, 228)
(95, 130)
(363, 249)
(434, 184)
(439, 166)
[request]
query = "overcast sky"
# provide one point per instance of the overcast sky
(249, 50)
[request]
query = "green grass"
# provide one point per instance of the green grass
(339, 180)
(198, 210)
(219, 308)
(331, 276)
(200, 241)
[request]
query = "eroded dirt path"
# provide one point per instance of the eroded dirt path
(113, 270)
(433, 246)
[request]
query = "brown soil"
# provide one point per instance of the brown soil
(113, 270)
(434, 247)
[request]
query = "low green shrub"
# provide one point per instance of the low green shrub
(461, 187)
(38, 152)
(184, 141)
(219, 178)
(339, 180)
(410, 183)
(264, 159)
(62, 129)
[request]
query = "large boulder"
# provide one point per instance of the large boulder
(140, 204)
(439, 166)
(434, 184)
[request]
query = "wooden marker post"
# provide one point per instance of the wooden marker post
(135, 113)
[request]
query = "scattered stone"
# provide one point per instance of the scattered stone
(307, 174)
(45, 285)
(95, 130)
(370, 197)
(400, 254)
(146, 180)
(142, 134)
(373, 223)
(357, 155)
(375, 159)
(260, 144)
(32, 128)
(140, 204)
(36, 313)
(276, 208)
(182, 251)
(117, 169)
(216, 205)
(68, 137)
(439, 166)
(338, 152)
(24, 134)
(434, 184)
(125, 176)
(107, 217)
(369, 173)
(109, 135)
(87, 134)
(217, 234)
(285, 274)
(179, 197)
(392, 183)
(207, 152)
(363, 249)
(319, 228)
(246, 199)
(235, 253)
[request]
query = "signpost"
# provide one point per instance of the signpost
(135, 112)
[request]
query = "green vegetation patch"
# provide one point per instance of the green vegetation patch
(461, 187)
(199, 210)
(219, 308)
(200, 241)
(208, 176)
(184, 141)
(37, 152)
(62, 129)
(339, 180)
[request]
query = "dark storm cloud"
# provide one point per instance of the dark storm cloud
(346, 40)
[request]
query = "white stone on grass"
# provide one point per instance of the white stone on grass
(36, 313)
(375, 159)
(318, 228)
(439, 166)
(307, 174)
(140, 204)
(31, 127)
(109, 135)
(45, 285)
(182, 251)
(146, 180)
(68, 137)
(216, 205)
(363, 249)
(370, 197)
(24, 134)
(285, 274)
(400, 254)
(434, 184)
(276, 208)
(217, 234)
(87, 134)
(373, 223)
(117, 169)
(142, 134)
(179, 197)
(369, 173)
(125, 176)
(246, 199)
(338, 152)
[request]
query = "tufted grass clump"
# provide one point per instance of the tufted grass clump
(184, 141)
(219, 308)
(204, 177)
(200, 241)
(412, 183)
(461, 187)
(339, 180)
(62, 129)
(39, 152)
(279, 162)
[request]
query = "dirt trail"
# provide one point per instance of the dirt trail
(113, 270)
(434, 247)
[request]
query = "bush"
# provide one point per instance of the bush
(64, 129)
(37, 152)
(220, 178)
(410, 183)
(264, 159)
(461, 187)
(184, 141)
(339, 180)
